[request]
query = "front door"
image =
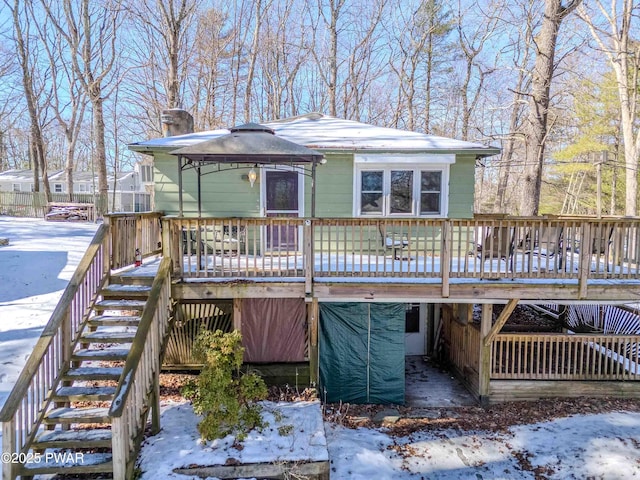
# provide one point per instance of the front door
(282, 198)
(415, 332)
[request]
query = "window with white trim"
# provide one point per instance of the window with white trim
(430, 192)
(404, 191)
(16, 187)
(57, 188)
(146, 173)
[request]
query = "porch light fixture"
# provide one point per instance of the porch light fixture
(252, 176)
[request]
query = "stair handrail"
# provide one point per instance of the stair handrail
(34, 394)
(141, 371)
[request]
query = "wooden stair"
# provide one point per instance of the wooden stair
(77, 439)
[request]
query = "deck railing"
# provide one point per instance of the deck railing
(27, 403)
(465, 346)
(553, 356)
(131, 232)
(442, 249)
(138, 389)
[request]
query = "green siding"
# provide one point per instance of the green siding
(226, 194)
(461, 187)
(334, 186)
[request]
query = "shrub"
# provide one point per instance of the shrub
(223, 394)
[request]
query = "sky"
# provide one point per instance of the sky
(35, 268)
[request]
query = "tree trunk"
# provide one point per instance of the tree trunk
(335, 6)
(37, 142)
(537, 122)
(252, 60)
(100, 151)
(624, 57)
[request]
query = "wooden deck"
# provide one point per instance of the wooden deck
(484, 259)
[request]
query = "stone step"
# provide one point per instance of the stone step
(93, 373)
(114, 321)
(120, 290)
(110, 304)
(84, 394)
(100, 354)
(106, 336)
(74, 439)
(69, 463)
(68, 415)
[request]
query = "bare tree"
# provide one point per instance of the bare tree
(330, 12)
(164, 30)
(523, 26)
(555, 12)
(68, 99)
(211, 63)
(471, 41)
(623, 54)
(8, 103)
(282, 56)
(364, 61)
(90, 32)
(254, 51)
(25, 53)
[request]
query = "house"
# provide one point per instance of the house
(386, 214)
(368, 172)
(336, 248)
(133, 190)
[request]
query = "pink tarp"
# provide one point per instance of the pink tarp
(273, 329)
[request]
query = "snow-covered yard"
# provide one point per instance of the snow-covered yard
(41, 257)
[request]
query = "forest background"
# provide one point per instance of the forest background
(554, 83)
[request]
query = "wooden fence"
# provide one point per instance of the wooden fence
(34, 204)
(553, 356)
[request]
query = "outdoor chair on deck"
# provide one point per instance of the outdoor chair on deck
(600, 245)
(496, 244)
(547, 248)
(219, 240)
(394, 241)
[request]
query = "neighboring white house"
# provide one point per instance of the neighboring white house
(132, 189)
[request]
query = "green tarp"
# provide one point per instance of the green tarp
(362, 352)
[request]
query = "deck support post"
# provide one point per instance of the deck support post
(586, 247)
(312, 325)
(9, 448)
(237, 314)
(308, 256)
(445, 258)
(487, 334)
(139, 243)
(485, 354)
(155, 406)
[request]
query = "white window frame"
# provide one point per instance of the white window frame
(16, 187)
(415, 163)
(56, 186)
(146, 172)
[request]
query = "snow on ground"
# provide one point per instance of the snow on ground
(35, 268)
(602, 446)
(40, 259)
(178, 445)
